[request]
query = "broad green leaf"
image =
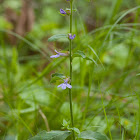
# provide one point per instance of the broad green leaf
(57, 76)
(76, 130)
(56, 37)
(81, 54)
(52, 135)
(91, 135)
(35, 94)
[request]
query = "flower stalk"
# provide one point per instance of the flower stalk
(58, 54)
(70, 57)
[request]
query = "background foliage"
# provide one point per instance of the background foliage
(106, 31)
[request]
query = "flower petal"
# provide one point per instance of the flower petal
(63, 54)
(68, 85)
(60, 85)
(66, 80)
(55, 56)
(56, 51)
(63, 86)
(72, 37)
(62, 11)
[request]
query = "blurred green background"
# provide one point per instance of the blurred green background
(106, 98)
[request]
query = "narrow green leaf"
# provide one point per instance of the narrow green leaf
(87, 58)
(81, 54)
(56, 37)
(52, 135)
(95, 54)
(91, 135)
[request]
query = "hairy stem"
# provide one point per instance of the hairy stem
(70, 56)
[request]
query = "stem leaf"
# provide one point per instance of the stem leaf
(56, 76)
(75, 130)
(57, 37)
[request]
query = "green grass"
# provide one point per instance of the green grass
(105, 97)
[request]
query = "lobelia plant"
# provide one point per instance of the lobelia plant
(62, 135)
(65, 84)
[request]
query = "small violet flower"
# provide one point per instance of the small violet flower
(58, 54)
(62, 11)
(65, 84)
(71, 37)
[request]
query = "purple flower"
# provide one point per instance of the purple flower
(58, 54)
(65, 84)
(62, 11)
(71, 37)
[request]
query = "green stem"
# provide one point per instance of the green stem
(108, 125)
(70, 56)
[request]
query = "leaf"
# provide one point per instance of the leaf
(87, 58)
(138, 74)
(57, 76)
(95, 54)
(56, 37)
(65, 123)
(91, 135)
(36, 94)
(81, 54)
(52, 135)
(76, 130)
(28, 110)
